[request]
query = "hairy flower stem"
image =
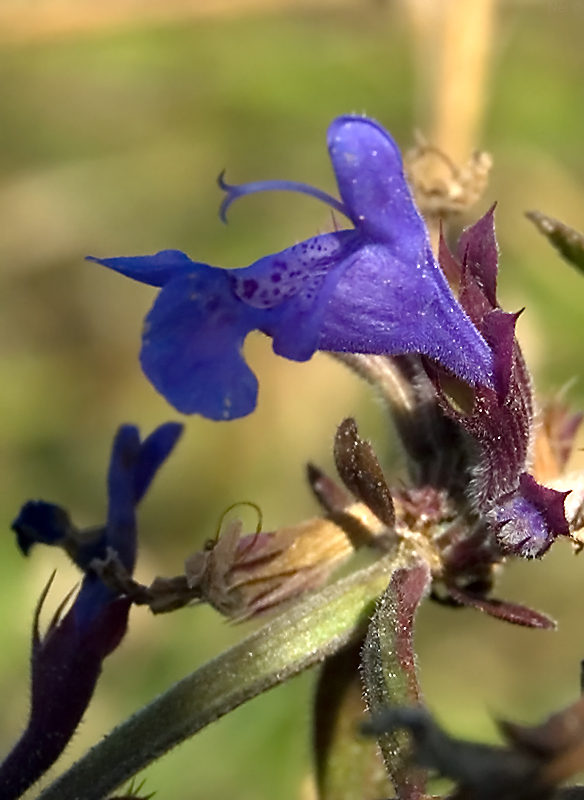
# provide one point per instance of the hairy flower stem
(290, 643)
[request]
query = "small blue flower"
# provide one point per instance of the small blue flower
(375, 288)
(67, 661)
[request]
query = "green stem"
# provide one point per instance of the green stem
(297, 639)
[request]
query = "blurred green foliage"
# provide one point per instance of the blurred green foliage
(110, 144)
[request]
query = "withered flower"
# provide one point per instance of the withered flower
(243, 575)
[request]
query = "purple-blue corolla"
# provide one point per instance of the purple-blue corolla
(67, 661)
(374, 288)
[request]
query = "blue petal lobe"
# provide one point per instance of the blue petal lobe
(154, 451)
(121, 517)
(153, 270)
(369, 170)
(192, 343)
(383, 305)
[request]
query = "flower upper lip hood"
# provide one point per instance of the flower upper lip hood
(369, 171)
(376, 288)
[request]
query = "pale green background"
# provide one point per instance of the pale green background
(110, 143)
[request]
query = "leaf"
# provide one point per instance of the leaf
(567, 241)
(348, 765)
(311, 631)
(389, 668)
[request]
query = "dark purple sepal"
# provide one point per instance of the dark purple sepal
(65, 666)
(549, 502)
(499, 331)
(448, 263)
(500, 422)
(479, 253)
(500, 433)
(524, 516)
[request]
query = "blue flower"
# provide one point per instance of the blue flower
(374, 288)
(67, 661)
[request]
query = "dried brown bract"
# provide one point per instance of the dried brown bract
(440, 187)
(241, 575)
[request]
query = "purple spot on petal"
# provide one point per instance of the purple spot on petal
(249, 288)
(212, 304)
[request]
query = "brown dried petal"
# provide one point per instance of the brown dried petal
(554, 441)
(441, 187)
(242, 576)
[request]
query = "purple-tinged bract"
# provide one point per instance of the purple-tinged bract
(525, 516)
